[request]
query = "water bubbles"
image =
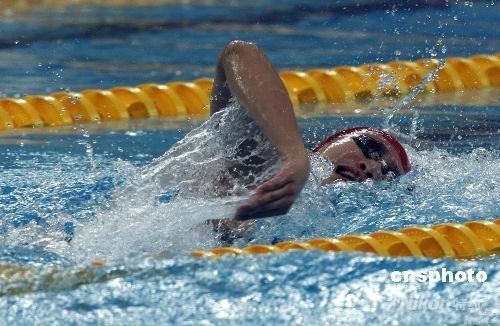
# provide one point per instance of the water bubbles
(84, 132)
(440, 65)
(58, 74)
(414, 125)
(443, 49)
(385, 81)
(432, 52)
(481, 154)
(397, 53)
(75, 99)
(16, 42)
(89, 149)
(412, 95)
(391, 11)
(206, 175)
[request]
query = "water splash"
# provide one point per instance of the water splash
(442, 187)
(407, 100)
(89, 150)
(207, 175)
(163, 206)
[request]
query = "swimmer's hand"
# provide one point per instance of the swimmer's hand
(277, 195)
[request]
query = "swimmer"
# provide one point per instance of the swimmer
(244, 72)
(257, 147)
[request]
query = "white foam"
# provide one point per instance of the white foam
(168, 201)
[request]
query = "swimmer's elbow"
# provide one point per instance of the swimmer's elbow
(239, 48)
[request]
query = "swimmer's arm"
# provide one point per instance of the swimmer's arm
(244, 71)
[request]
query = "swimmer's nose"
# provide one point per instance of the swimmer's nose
(370, 169)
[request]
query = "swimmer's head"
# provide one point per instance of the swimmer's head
(362, 153)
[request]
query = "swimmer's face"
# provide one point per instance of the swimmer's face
(361, 156)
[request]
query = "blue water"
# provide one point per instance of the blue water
(56, 182)
(80, 47)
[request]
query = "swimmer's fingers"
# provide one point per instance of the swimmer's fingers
(262, 203)
(276, 196)
(277, 182)
(263, 197)
(292, 171)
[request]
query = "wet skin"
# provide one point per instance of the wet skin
(244, 72)
(362, 156)
(356, 157)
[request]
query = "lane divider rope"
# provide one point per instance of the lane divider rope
(445, 240)
(178, 99)
(451, 240)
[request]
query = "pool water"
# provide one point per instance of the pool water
(101, 46)
(61, 183)
(454, 179)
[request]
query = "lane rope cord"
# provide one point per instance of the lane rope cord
(181, 99)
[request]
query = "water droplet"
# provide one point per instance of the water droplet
(397, 53)
(480, 154)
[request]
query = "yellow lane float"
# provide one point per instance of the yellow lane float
(450, 240)
(178, 99)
